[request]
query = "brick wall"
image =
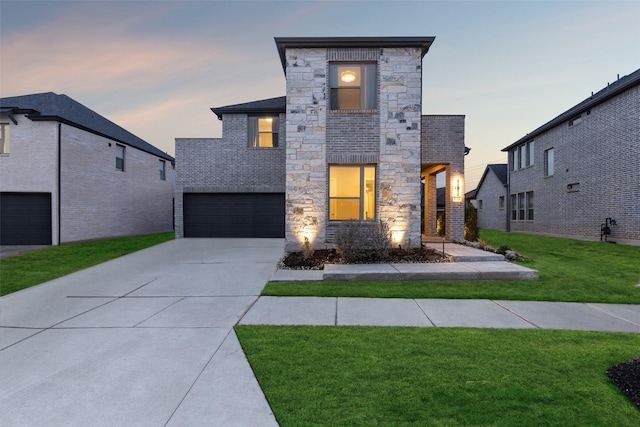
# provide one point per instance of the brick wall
(96, 200)
(99, 201)
(602, 155)
(443, 144)
(491, 215)
(227, 164)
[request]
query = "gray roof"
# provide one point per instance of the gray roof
(50, 106)
(271, 105)
(349, 42)
(500, 170)
(613, 89)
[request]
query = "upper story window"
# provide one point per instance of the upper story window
(352, 192)
(548, 162)
(4, 138)
(353, 86)
(162, 167)
(263, 132)
(120, 157)
(522, 156)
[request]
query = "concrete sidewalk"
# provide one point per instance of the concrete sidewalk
(443, 313)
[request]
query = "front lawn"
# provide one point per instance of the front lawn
(362, 376)
(22, 271)
(570, 270)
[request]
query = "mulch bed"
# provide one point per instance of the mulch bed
(317, 260)
(626, 376)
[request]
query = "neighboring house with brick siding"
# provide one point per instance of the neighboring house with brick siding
(347, 142)
(68, 174)
(572, 173)
(490, 198)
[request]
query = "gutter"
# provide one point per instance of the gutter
(59, 182)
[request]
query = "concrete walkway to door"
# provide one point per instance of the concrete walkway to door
(143, 340)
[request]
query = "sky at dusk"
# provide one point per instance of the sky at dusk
(157, 67)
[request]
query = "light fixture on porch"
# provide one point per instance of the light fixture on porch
(347, 76)
(457, 190)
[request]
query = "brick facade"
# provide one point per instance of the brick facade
(443, 150)
(595, 175)
(227, 165)
(491, 215)
(95, 200)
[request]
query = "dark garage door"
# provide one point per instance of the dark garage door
(233, 214)
(25, 218)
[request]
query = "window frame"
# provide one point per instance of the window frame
(121, 167)
(368, 85)
(253, 131)
(162, 169)
(549, 161)
(362, 189)
(514, 207)
(530, 204)
(501, 202)
(5, 138)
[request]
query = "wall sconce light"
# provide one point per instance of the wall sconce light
(347, 76)
(457, 190)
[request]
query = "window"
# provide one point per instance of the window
(120, 157)
(263, 132)
(479, 204)
(521, 206)
(353, 86)
(514, 207)
(4, 138)
(548, 162)
(352, 192)
(529, 205)
(522, 156)
(501, 202)
(162, 165)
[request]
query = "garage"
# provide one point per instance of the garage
(25, 218)
(233, 214)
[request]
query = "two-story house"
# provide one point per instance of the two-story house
(576, 173)
(347, 142)
(69, 174)
(490, 198)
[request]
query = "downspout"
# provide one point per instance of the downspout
(59, 182)
(508, 193)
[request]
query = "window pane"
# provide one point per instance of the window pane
(345, 99)
(345, 181)
(353, 86)
(345, 209)
(369, 89)
(120, 157)
(369, 193)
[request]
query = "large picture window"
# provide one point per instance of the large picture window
(353, 86)
(263, 132)
(352, 192)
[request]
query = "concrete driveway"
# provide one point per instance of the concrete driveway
(142, 340)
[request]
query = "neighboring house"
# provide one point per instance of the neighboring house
(69, 174)
(347, 142)
(491, 196)
(581, 168)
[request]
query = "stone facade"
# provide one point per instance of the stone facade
(595, 172)
(95, 200)
(390, 137)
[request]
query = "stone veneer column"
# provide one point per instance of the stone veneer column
(400, 72)
(306, 171)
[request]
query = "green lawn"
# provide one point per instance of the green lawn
(570, 270)
(22, 271)
(363, 376)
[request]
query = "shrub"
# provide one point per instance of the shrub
(471, 230)
(354, 240)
